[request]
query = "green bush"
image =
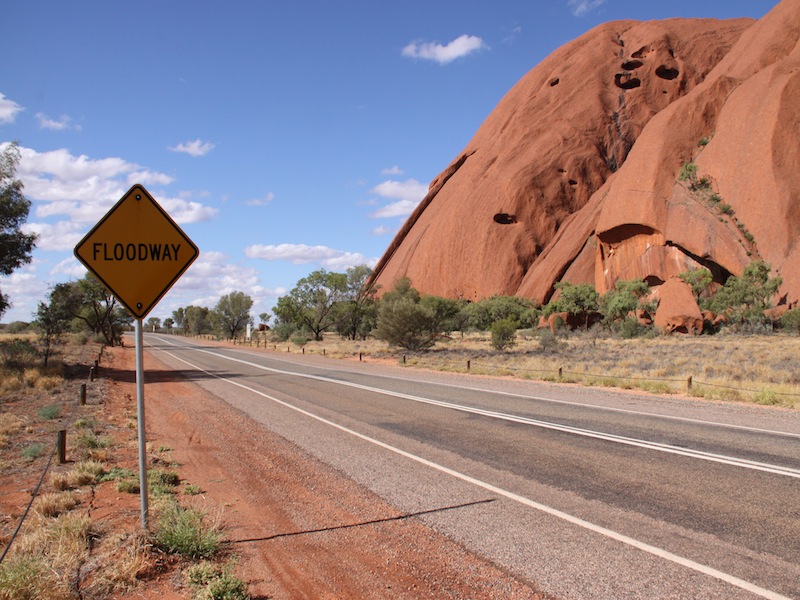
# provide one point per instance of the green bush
(791, 321)
(211, 582)
(34, 451)
(406, 324)
(504, 334)
(183, 531)
(50, 412)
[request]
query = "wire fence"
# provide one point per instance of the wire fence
(560, 374)
(470, 365)
(58, 448)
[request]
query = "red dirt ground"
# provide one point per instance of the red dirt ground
(298, 528)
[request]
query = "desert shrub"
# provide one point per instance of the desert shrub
(790, 321)
(160, 481)
(281, 332)
(184, 531)
(192, 490)
(484, 313)
(34, 451)
(549, 343)
(688, 173)
(89, 440)
(50, 412)
(212, 582)
(128, 486)
(504, 334)
(631, 328)
(18, 354)
(405, 323)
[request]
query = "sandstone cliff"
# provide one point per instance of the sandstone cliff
(576, 175)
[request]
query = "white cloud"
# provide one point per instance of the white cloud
(582, 7)
(60, 124)
(216, 271)
(443, 54)
(268, 197)
(24, 289)
(187, 211)
(8, 110)
(300, 254)
(59, 237)
(80, 191)
(407, 194)
(395, 170)
(194, 148)
(381, 230)
(69, 267)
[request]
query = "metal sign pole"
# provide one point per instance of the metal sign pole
(140, 414)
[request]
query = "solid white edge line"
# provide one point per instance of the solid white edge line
(624, 539)
(557, 401)
(540, 398)
(666, 448)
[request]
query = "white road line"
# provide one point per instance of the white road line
(624, 539)
(648, 445)
(539, 398)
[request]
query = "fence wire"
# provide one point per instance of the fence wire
(561, 372)
(33, 497)
(35, 493)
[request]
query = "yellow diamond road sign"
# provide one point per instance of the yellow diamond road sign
(137, 251)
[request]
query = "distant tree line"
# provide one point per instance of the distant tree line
(345, 304)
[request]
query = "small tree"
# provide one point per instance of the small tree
(580, 300)
(698, 280)
(744, 299)
(90, 303)
(489, 310)
(444, 312)
(232, 313)
(357, 311)
(625, 298)
(311, 302)
(51, 322)
(178, 316)
(153, 323)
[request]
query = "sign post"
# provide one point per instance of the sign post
(138, 252)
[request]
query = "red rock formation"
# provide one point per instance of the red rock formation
(677, 309)
(574, 176)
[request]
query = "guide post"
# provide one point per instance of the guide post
(140, 422)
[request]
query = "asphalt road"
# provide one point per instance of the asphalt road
(587, 493)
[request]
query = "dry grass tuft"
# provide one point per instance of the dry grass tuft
(52, 504)
(45, 558)
(122, 561)
(9, 425)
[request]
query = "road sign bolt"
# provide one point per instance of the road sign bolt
(138, 196)
(139, 305)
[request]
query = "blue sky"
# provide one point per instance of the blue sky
(283, 137)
